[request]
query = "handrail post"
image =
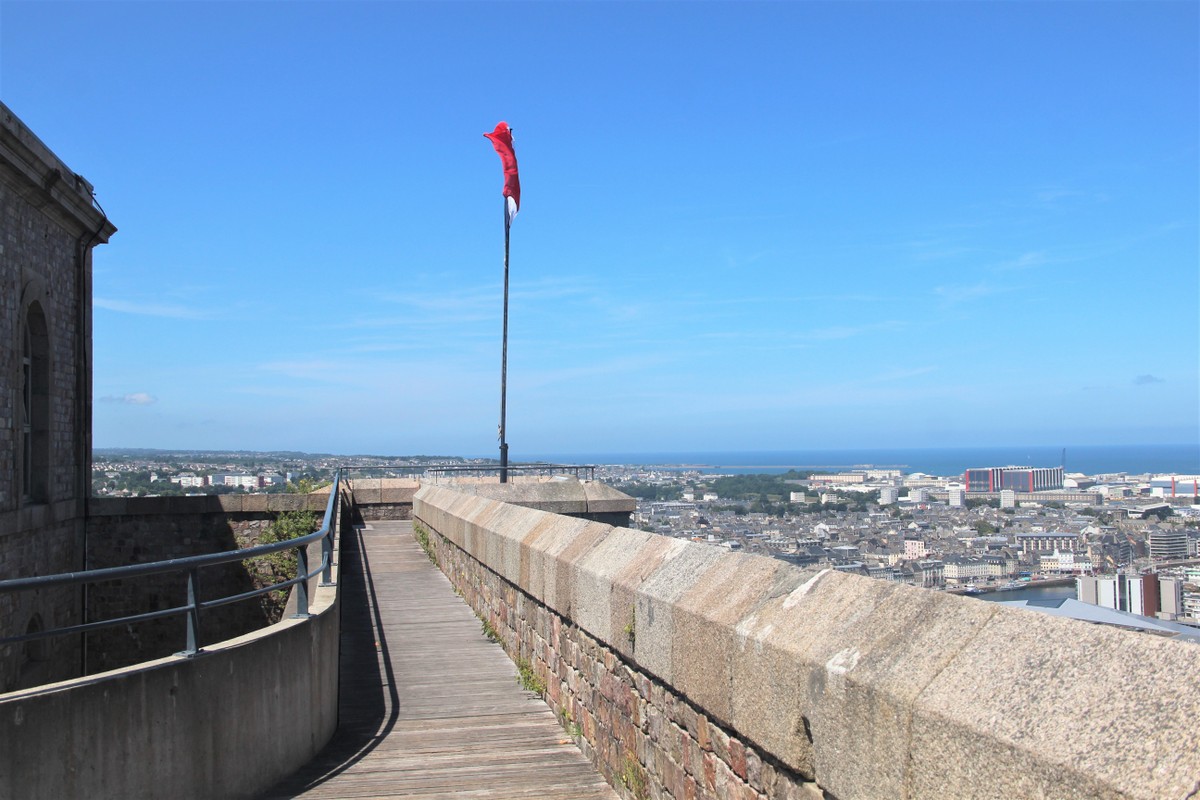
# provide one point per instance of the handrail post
(302, 584)
(327, 541)
(193, 615)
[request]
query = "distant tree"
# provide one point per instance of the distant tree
(983, 527)
(976, 502)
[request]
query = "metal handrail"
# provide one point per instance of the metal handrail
(437, 470)
(589, 469)
(191, 566)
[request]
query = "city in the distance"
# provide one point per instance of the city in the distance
(1124, 541)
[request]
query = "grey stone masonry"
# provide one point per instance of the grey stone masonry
(48, 227)
(145, 529)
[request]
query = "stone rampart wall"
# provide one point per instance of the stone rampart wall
(142, 530)
(691, 671)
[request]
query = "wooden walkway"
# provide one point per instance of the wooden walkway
(429, 707)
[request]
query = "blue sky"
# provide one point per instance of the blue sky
(743, 226)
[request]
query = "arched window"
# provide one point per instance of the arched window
(35, 407)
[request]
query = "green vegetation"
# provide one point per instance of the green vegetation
(302, 486)
(422, 536)
(569, 723)
(281, 565)
(976, 502)
(748, 487)
(633, 778)
(983, 527)
(631, 628)
(651, 491)
(488, 630)
(528, 679)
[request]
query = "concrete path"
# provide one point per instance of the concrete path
(429, 707)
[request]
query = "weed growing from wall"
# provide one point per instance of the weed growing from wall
(280, 566)
(633, 778)
(569, 723)
(528, 679)
(422, 535)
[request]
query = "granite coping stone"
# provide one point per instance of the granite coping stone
(560, 496)
(872, 689)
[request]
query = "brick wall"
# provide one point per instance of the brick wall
(644, 737)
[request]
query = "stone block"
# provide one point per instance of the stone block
(592, 574)
(706, 616)
(255, 503)
(604, 499)
(842, 660)
(654, 608)
(544, 545)
(1036, 705)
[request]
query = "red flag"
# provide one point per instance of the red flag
(502, 141)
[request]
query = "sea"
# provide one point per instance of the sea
(1182, 459)
(1032, 592)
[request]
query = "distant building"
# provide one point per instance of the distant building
(238, 479)
(1136, 594)
(840, 478)
(1064, 562)
(967, 570)
(928, 573)
(914, 549)
(888, 495)
(955, 496)
(1177, 485)
(189, 479)
(1008, 498)
(1168, 544)
(1171, 600)
(1047, 542)
(1019, 479)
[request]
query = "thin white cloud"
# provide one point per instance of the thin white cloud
(1028, 260)
(851, 331)
(899, 374)
(150, 309)
(1053, 197)
(132, 399)
(953, 295)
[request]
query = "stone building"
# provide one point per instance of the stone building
(48, 227)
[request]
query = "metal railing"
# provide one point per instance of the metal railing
(436, 471)
(191, 566)
(536, 468)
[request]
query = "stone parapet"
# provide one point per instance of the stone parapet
(817, 679)
(207, 504)
(567, 496)
(139, 530)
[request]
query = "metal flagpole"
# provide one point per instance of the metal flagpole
(504, 356)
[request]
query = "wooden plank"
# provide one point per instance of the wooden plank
(429, 708)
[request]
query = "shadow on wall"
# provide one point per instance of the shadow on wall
(142, 538)
(365, 645)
